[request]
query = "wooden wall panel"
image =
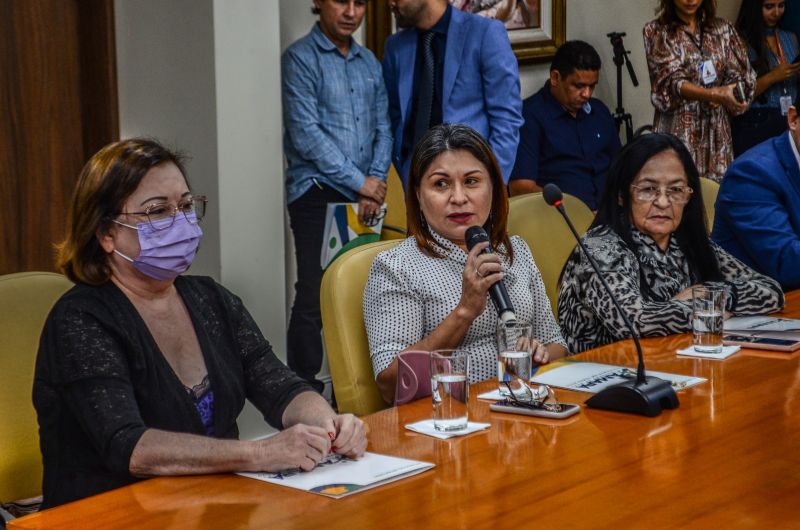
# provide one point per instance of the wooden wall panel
(59, 97)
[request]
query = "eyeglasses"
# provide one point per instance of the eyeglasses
(675, 194)
(543, 397)
(159, 211)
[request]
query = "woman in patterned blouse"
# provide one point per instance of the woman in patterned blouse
(429, 292)
(695, 61)
(650, 240)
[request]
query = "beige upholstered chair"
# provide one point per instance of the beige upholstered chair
(710, 190)
(341, 298)
(394, 225)
(547, 234)
(25, 301)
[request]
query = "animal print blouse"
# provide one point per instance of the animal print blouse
(588, 317)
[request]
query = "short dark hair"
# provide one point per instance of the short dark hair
(615, 206)
(105, 183)
(575, 55)
(315, 10)
(448, 137)
(668, 16)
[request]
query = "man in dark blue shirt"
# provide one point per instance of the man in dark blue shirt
(569, 138)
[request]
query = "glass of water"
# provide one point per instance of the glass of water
(450, 389)
(708, 305)
(514, 351)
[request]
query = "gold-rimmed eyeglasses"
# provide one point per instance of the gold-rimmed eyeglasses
(193, 208)
(542, 397)
(674, 194)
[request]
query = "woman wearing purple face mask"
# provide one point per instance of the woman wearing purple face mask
(142, 371)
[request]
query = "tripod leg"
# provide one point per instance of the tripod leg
(628, 128)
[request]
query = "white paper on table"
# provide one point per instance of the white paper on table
(337, 476)
(594, 377)
(726, 352)
(426, 427)
(761, 324)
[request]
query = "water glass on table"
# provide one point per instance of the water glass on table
(514, 356)
(708, 306)
(450, 389)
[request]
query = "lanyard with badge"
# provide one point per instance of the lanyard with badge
(780, 58)
(706, 69)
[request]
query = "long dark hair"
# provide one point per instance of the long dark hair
(447, 137)
(750, 23)
(615, 206)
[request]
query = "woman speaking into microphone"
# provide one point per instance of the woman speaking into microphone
(430, 292)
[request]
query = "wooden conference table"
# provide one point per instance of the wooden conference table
(728, 457)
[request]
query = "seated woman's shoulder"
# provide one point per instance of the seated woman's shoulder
(600, 236)
(402, 253)
(604, 244)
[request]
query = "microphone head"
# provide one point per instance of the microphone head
(474, 235)
(552, 194)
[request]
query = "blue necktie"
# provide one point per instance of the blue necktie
(425, 88)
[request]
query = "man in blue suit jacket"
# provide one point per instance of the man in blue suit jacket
(757, 215)
(477, 78)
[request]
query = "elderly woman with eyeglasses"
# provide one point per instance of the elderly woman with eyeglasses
(143, 371)
(651, 242)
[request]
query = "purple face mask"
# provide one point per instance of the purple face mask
(166, 252)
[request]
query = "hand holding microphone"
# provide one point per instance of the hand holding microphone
(480, 272)
(487, 264)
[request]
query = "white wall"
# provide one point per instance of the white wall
(165, 74)
(204, 75)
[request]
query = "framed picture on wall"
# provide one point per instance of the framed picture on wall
(536, 28)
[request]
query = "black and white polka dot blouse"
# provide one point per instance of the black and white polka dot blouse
(409, 293)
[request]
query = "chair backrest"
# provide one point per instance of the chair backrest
(341, 302)
(547, 235)
(25, 301)
(710, 190)
(394, 225)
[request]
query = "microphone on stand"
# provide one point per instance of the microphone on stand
(646, 395)
(498, 292)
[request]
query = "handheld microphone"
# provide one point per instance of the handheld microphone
(497, 292)
(646, 395)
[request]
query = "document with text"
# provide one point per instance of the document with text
(594, 377)
(758, 323)
(337, 476)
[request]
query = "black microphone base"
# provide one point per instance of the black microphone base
(647, 399)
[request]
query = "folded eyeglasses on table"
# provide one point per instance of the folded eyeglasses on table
(540, 398)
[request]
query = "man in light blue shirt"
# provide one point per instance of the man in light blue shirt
(338, 144)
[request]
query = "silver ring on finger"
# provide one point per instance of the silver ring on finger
(478, 273)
